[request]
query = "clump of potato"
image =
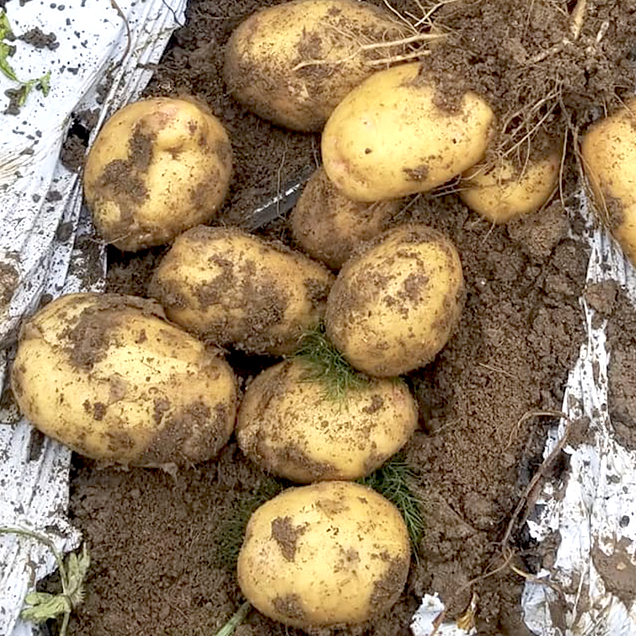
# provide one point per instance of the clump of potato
(328, 554)
(328, 225)
(388, 138)
(504, 191)
(158, 167)
(291, 425)
(292, 63)
(608, 153)
(235, 289)
(395, 304)
(107, 376)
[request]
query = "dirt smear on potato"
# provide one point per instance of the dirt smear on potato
(153, 538)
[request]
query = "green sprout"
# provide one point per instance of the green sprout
(43, 606)
(328, 365)
(394, 480)
(232, 529)
(239, 616)
(20, 94)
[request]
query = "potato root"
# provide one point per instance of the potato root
(294, 62)
(389, 139)
(107, 376)
(328, 554)
(608, 154)
(395, 304)
(237, 290)
(158, 167)
(291, 425)
(328, 226)
(503, 192)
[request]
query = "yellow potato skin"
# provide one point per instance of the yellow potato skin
(395, 304)
(502, 193)
(388, 139)
(328, 226)
(609, 158)
(235, 289)
(289, 424)
(328, 554)
(105, 375)
(158, 166)
(270, 58)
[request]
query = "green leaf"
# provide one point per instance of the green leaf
(44, 83)
(45, 606)
(6, 51)
(6, 33)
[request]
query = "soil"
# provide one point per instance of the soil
(154, 538)
(622, 368)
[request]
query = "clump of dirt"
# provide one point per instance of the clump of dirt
(544, 66)
(154, 538)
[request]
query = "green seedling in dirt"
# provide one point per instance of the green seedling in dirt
(43, 606)
(395, 480)
(19, 95)
(330, 366)
(235, 621)
(232, 529)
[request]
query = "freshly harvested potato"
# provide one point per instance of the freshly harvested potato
(394, 305)
(292, 63)
(328, 225)
(158, 167)
(609, 158)
(328, 554)
(503, 192)
(289, 424)
(107, 376)
(388, 138)
(234, 289)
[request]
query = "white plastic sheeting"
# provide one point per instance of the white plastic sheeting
(103, 59)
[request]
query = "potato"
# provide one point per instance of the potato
(293, 63)
(328, 554)
(503, 192)
(290, 424)
(234, 289)
(388, 138)
(158, 167)
(395, 304)
(609, 158)
(107, 376)
(328, 225)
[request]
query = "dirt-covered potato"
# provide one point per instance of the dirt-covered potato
(389, 138)
(292, 63)
(333, 553)
(237, 290)
(394, 304)
(609, 159)
(107, 376)
(158, 167)
(502, 192)
(328, 225)
(291, 423)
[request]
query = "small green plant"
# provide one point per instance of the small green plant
(329, 365)
(394, 480)
(231, 530)
(17, 95)
(239, 616)
(43, 606)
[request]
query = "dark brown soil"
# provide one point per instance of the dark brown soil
(154, 538)
(622, 369)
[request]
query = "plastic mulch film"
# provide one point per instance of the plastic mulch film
(86, 57)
